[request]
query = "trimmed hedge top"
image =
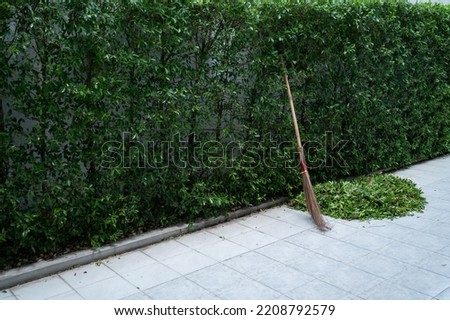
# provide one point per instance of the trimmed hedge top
(123, 116)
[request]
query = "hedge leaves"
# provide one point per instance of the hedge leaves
(125, 116)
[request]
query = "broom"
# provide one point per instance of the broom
(310, 197)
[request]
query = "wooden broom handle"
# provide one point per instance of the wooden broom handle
(294, 117)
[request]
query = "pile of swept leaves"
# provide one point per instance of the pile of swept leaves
(369, 197)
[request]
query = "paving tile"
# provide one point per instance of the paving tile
(179, 289)
(426, 179)
(253, 239)
(428, 166)
(445, 179)
(8, 298)
(341, 251)
(364, 225)
(249, 290)
(319, 290)
(227, 283)
(380, 266)
(372, 223)
(351, 279)
(418, 221)
(438, 185)
(446, 219)
(188, 262)
(435, 214)
(280, 229)
(87, 274)
(310, 240)
(331, 221)
(391, 291)
(280, 213)
(315, 264)
(437, 203)
(165, 249)
(216, 278)
(198, 239)
(437, 263)
(404, 173)
(41, 289)
(434, 195)
(390, 230)
(222, 250)
(417, 175)
(256, 221)
(367, 240)
(423, 281)
(281, 297)
(150, 276)
(439, 229)
(71, 295)
(442, 161)
(423, 181)
(301, 219)
(137, 296)
(405, 253)
(338, 231)
(423, 178)
(445, 251)
(426, 182)
(426, 241)
(444, 295)
(229, 230)
(108, 289)
(420, 182)
(251, 264)
(128, 261)
(282, 278)
(282, 251)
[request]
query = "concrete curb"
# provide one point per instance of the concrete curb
(42, 269)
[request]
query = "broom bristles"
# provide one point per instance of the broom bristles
(312, 204)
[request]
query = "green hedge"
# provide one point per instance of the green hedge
(126, 116)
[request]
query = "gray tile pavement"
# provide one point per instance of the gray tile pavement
(279, 254)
